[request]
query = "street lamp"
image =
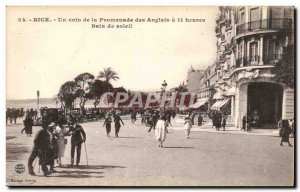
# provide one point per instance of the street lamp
(163, 89)
(38, 101)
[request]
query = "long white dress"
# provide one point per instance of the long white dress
(61, 141)
(160, 130)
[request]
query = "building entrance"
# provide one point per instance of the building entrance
(265, 102)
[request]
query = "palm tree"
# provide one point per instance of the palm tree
(108, 74)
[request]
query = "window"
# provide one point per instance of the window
(242, 19)
(254, 18)
(273, 51)
(253, 53)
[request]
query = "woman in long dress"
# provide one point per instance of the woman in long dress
(285, 132)
(61, 141)
(187, 126)
(28, 122)
(161, 130)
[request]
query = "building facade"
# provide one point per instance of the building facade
(193, 80)
(250, 42)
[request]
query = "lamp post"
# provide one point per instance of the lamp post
(38, 101)
(163, 90)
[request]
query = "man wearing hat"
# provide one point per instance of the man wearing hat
(118, 121)
(43, 148)
(78, 137)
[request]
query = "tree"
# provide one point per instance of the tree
(284, 69)
(68, 93)
(97, 88)
(181, 88)
(83, 82)
(107, 74)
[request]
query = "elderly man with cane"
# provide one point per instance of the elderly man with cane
(78, 137)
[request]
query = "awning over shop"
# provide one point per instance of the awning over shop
(217, 105)
(198, 103)
(224, 102)
(218, 95)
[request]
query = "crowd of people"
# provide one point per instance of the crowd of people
(50, 142)
(12, 114)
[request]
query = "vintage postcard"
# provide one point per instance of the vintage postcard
(150, 96)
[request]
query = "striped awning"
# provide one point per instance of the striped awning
(220, 103)
(198, 103)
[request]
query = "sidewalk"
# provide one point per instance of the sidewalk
(229, 129)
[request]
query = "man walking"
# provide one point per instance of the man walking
(107, 123)
(200, 120)
(78, 137)
(117, 120)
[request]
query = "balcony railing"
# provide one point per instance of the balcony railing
(247, 61)
(270, 59)
(223, 38)
(228, 24)
(266, 24)
(229, 46)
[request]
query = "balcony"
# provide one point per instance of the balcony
(217, 31)
(218, 48)
(264, 25)
(222, 58)
(223, 38)
(228, 24)
(270, 59)
(229, 46)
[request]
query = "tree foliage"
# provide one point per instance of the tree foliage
(284, 70)
(97, 88)
(83, 81)
(68, 93)
(107, 74)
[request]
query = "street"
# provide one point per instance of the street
(134, 159)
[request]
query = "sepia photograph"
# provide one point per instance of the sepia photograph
(150, 96)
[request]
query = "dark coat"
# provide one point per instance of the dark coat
(285, 131)
(45, 147)
(28, 123)
(107, 122)
(78, 134)
(118, 120)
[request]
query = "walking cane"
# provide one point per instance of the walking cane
(87, 161)
(34, 163)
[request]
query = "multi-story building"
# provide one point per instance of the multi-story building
(251, 41)
(193, 80)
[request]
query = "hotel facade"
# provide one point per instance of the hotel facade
(250, 42)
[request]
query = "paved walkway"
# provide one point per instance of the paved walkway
(208, 158)
(177, 124)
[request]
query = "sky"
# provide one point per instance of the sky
(44, 55)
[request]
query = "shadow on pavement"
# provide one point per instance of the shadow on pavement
(93, 167)
(10, 137)
(128, 137)
(179, 147)
(77, 176)
(200, 138)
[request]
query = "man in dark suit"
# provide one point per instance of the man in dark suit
(78, 137)
(43, 147)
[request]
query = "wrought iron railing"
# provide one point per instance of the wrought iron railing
(223, 38)
(270, 59)
(265, 24)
